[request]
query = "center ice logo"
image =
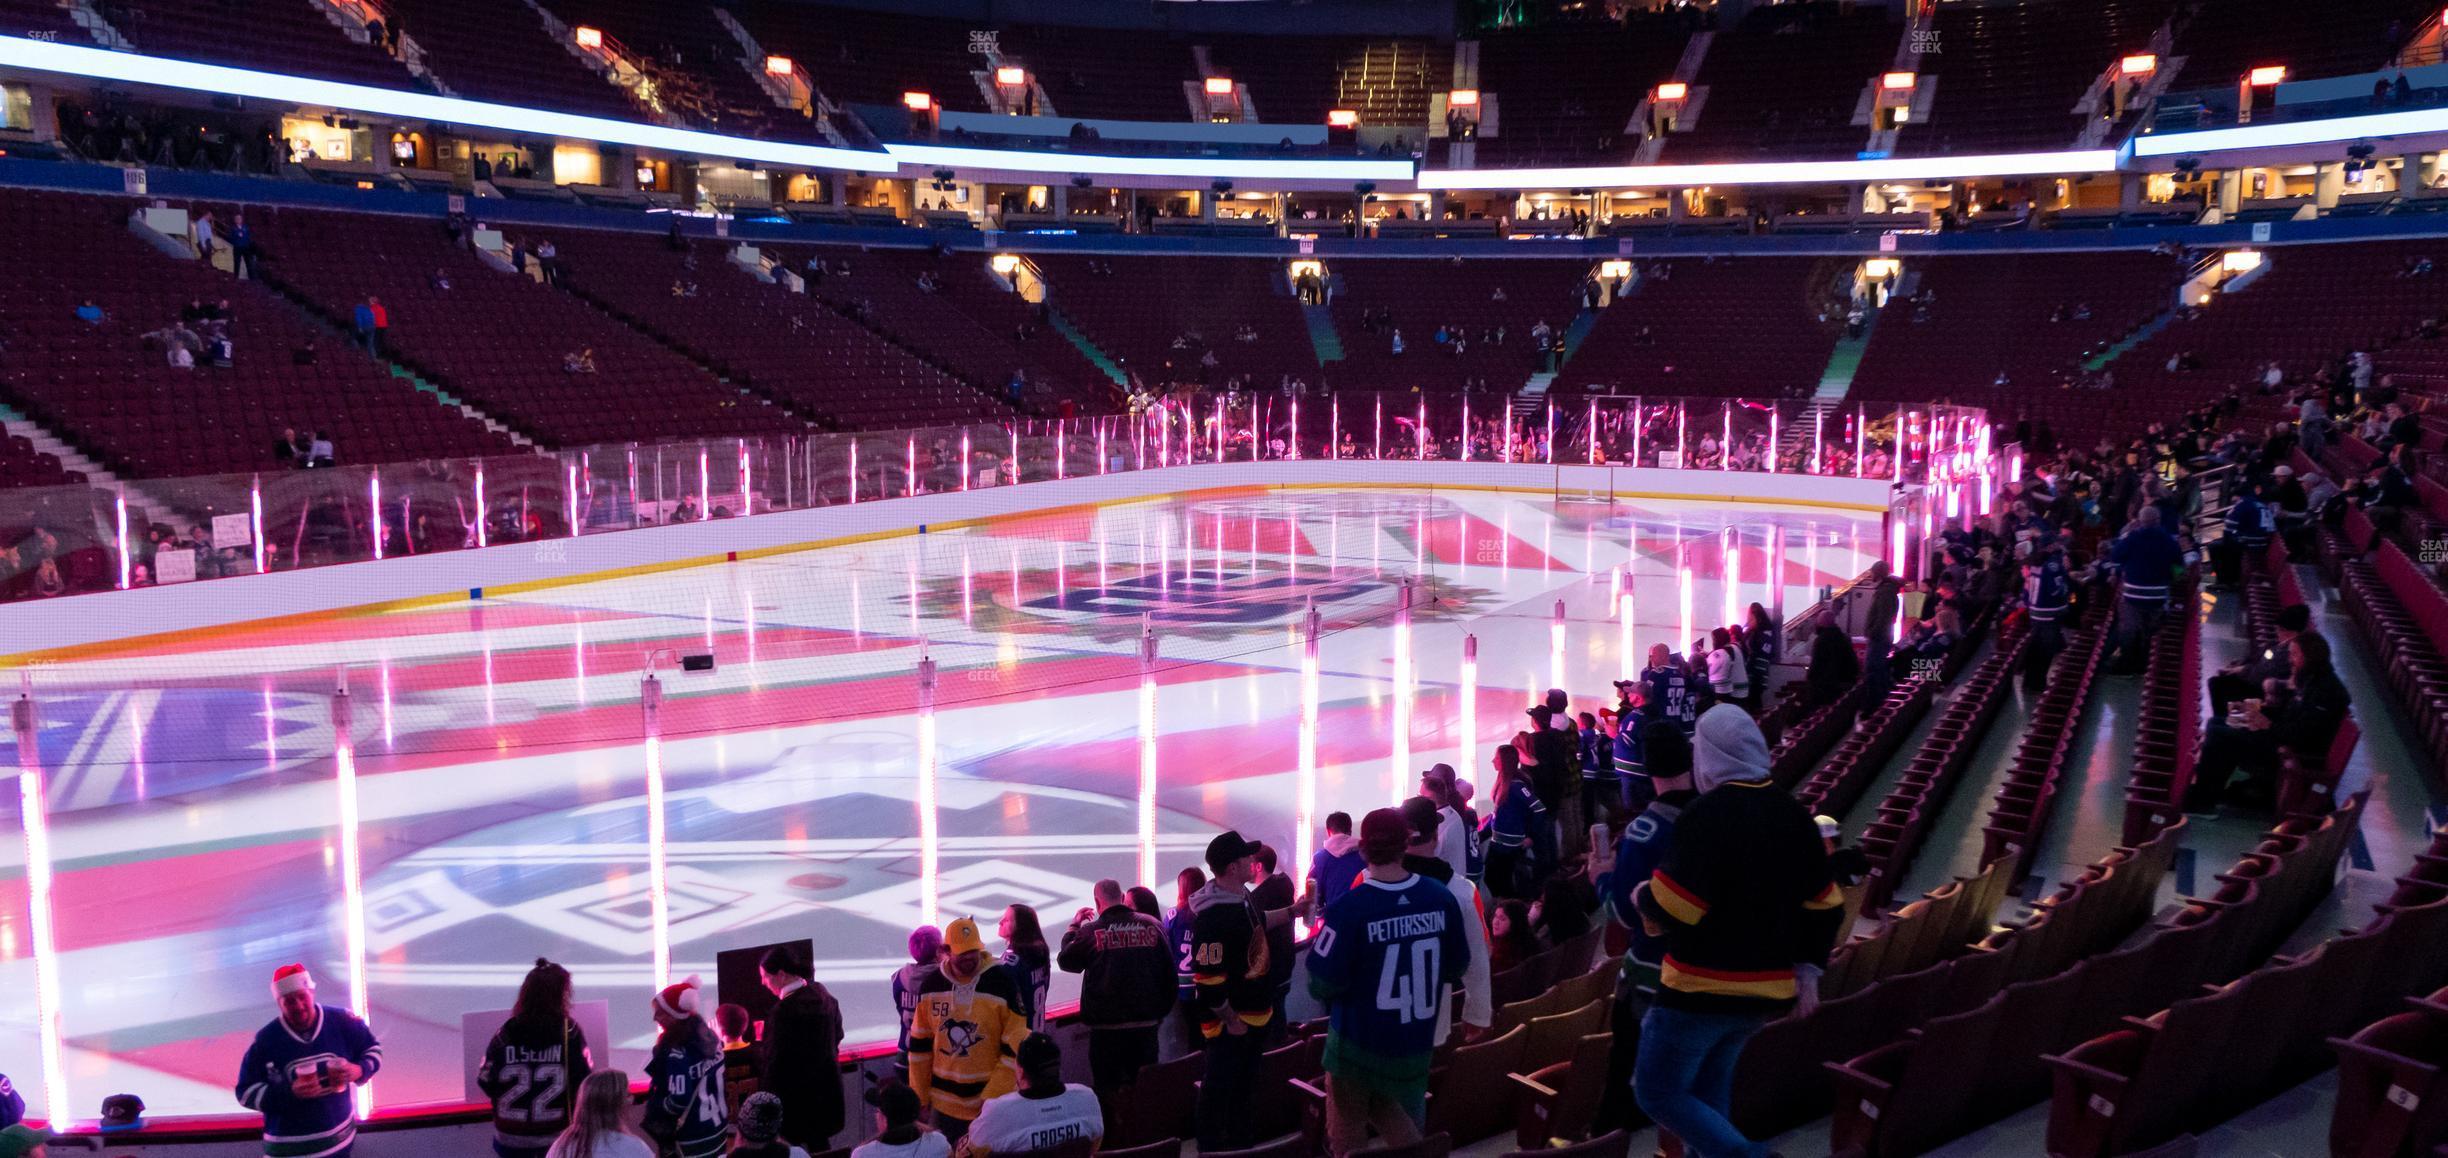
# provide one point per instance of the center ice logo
(1196, 601)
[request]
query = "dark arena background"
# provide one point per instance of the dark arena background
(632, 483)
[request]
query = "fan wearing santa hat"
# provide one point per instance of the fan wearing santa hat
(301, 1069)
(684, 1099)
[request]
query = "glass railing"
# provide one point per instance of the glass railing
(77, 539)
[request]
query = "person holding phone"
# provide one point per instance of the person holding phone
(302, 1068)
(2245, 678)
(2301, 715)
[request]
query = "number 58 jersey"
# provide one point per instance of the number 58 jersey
(1380, 963)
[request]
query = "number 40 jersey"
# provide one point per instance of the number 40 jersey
(1380, 962)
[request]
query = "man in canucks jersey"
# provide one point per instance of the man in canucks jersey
(1381, 963)
(303, 1070)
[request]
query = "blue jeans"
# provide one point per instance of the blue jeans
(1684, 1077)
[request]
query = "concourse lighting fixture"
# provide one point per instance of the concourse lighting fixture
(1897, 81)
(1673, 90)
(1013, 77)
(2138, 64)
(2267, 75)
(590, 37)
(779, 66)
(2240, 260)
(1704, 176)
(1219, 86)
(1463, 98)
(160, 72)
(1343, 119)
(917, 102)
(1004, 263)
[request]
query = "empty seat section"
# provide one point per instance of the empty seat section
(1784, 84)
(24, 17)
(1161, 316)
(114, 395)
(969, 324)
(1566, 92)
(287, 36)
(486, 51)
(697, 65)
(1374, 298)
(2007, 76)
(785, 345)
(2010, 314)
(498, 340)
(1102, 73)
(1298, 80)
(855, 56)
(2229, 37)
(1671, 334)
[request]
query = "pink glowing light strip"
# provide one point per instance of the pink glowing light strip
(1466, 428)
(658, 885)
(570, 504)
(1468, 733)
(1400, 770)
(747, 473)
(1294, 444)
(1899, 445)
(1305, 787)
(854, 472)
(964, 460)
(1733, 576)
(1147, 752)
(1555, 648)
(1419, 430)
(1334, 427)
(909, 477)
(34, 812)
(705, 485)
(1818, 437)
(1593, 432)
(1861, 435)
(127, 558)
(930, 833)
(1377, 441)
(352, 880)
(1774, 425)
(255, 521)
(1725, 440)
(1683, 568)
(1551, 432)
(374, 499)
(1628, 657)
(481, 531)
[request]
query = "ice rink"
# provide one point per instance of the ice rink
(506, 797)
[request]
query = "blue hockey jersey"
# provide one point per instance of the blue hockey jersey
(1639, 854)
(12, 1104)
(296, 1127)
(2046, 590)
(1670, 697)
(684, 1093)
(1381, 963)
